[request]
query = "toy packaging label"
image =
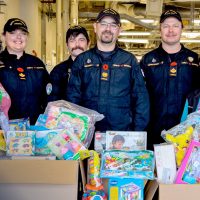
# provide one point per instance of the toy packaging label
(100, 141)
(126, 189)
(126, 140)
(19, 124)
(41, 140)
(189, 171)
(20, 142)
(127, 164)
(165, 165)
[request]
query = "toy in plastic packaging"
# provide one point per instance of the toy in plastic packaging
(78, 120)
(5, 101)
(2, 141)
(19, 124)
(20, 142)
(127, 164)
(181, 135)
(65, 146)
(94, 187)
(41, 140)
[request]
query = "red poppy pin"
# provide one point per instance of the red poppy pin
(105, 67)
(19, 69)
(173, 64)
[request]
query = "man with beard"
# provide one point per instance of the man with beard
(108, 79)
(171, 73)
(77, 41)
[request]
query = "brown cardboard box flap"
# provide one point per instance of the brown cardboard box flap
(39, 171)
(179, 191)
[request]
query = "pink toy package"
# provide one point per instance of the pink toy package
(5, 101)
(189, 171)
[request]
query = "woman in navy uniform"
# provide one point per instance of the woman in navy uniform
(23, 76)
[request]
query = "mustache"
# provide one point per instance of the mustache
(108, 32)
(75, 48)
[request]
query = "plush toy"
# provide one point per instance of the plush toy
(181, 143)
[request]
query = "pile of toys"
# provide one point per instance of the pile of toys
(62, 131)
(183, 150)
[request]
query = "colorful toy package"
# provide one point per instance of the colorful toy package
(181, 135)
(76, 119)
(127, 164)
(20, 142)
(189, 171)
(2, 141)
(126, 140)
(5, 101)
(100, 141)
(126, 189)
(19, 124)
(94, 187)
(41, 140)
(65, 146)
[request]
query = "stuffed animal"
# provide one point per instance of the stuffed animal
(181, 143)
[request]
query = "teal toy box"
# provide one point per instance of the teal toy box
(125, 189)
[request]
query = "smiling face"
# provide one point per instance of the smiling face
(171, 30)
(77, 45)
(16, 41)
(107, 31)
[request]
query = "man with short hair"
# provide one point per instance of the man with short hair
(171, 72)
(77, 41)
(108, 79)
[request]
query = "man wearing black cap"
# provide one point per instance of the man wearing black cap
(77, 41)
(108, 79)
(171, 72)
(22, 75)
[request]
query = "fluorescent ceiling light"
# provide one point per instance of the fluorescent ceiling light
(191, 34)
(148, 21)
(143, 41)
(190, 41)
(132, 33)
(197, 21)
(124, 21)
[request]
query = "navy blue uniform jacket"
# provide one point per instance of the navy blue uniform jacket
(113, 86)
(25, 80)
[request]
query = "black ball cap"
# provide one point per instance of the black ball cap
(109, 12)
(14, 24)
(170, 13)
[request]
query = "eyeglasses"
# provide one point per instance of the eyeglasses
(111, 25)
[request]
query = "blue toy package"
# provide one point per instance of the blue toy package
(41, 140)
(19, 124)
(20, 143)
(128, 164)
(125, 189)
(41, 121)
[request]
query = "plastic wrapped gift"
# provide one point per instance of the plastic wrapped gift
(65, 146)
(128, 164)
(76, 119)
(181, 135)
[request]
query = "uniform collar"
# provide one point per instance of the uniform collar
(100, 52)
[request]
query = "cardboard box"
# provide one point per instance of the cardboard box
(171, 191)
(38, 179)
(179, 191)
